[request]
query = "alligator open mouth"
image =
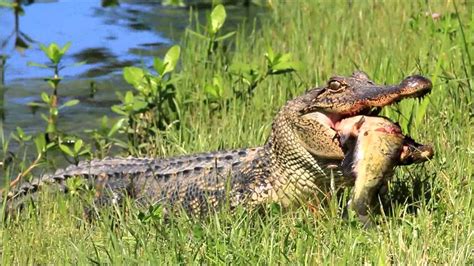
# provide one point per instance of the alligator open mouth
(335, 119)
(369, 100)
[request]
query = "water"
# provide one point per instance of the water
(107, 38)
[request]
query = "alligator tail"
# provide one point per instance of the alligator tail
(108, 172)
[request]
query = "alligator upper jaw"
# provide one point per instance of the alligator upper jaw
(365, 100)
(369, 100)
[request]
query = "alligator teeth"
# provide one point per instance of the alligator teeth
(375, 111)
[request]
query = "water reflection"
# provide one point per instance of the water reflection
(86, 25)
(21, 40)
(107, 38)
(21, 43)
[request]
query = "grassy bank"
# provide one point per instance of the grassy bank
(433, 204)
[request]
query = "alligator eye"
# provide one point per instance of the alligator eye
(335, 85)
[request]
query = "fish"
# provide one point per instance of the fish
(373, 147)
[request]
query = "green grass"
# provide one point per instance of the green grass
(432, 219)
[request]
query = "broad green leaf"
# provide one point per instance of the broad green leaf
(66, 150)
(284, 58)
(16, 138)
(70, 103)
(84, 151)
(270, 55)
(174, 3)
(52, 52)
(45, 118)
(218, 16)
(53, 82)
(20, 135)
(283, 66)
(217, 81)
(154, 82)
(55, 53)
(119, 110)
(78, 145)
(197, 34)
(139, 105)
(133, 75)
(212, 91)
(225, 36)
(171, 58)
(34, 64)
(128, 99)
(40, 143)
(157, 211)
(65, 48)
(20, 132)
(159, 65)
(44, 49)
(45, 97)
(35, 104)
(116, 127)
(6, 4)
(104, 121)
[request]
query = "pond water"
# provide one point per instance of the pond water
(107, 38)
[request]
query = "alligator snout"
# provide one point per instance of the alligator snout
(415, 86)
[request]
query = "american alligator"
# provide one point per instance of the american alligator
(297, 163)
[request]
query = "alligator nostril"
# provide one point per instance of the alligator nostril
(417, 82)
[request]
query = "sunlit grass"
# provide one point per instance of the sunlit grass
(431, 221)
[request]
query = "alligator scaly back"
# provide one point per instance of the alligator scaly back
(185, 180)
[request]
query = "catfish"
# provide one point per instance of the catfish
(373, 147)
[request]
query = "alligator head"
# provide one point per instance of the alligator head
(310, 120)
(357, 94)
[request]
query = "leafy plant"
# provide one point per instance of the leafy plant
(20, 136)
(55, 54)
(152, 106)
(154, 213)
(103, 138)
(251, 76)
(215, 93)
(41, 148)
(71, 147)
(74, 148)
(173, 3)
(215, 21)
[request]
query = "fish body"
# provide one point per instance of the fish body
(373, 146)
